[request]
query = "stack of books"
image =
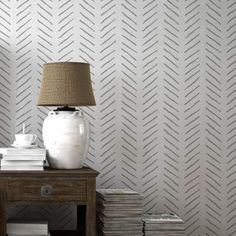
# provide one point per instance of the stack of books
(119, 212)
(159, 224)
(23, 159)
(27, 228)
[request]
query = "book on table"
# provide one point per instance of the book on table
(21, 162)
(23, 159)
(22, 151)
(27, 167)
(23, 154)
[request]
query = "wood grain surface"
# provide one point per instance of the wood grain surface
(51, 186)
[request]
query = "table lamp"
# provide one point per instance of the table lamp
(65, 130)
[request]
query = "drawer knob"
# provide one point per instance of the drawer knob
(46, 190)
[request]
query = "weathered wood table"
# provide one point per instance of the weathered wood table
(51, 186)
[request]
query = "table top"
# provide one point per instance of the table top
(47, 172)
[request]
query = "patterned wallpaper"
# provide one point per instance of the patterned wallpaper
(164, 75)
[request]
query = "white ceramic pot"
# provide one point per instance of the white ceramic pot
(66, 138)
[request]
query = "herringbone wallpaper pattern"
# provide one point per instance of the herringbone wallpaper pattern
(164, 75)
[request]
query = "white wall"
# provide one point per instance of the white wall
(164, 80)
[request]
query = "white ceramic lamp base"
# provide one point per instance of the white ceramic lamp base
(66, 138)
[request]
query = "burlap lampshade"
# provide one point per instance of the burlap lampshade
(66, 84)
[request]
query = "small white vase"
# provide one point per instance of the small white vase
(66, 138)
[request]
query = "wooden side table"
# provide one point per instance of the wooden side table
(50, 186)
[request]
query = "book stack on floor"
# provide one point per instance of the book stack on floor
(119, 212)
(27, 228)
(23, 159)
(163, 224)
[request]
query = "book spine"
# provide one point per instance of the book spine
(16, 151)
(21, 163)
(166, 228)
(37, 157)
(11, 168)
(26, 232)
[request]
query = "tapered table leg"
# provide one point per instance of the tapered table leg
(2, 209)
(91, 208)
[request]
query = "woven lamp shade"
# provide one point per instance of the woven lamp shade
(66, 84)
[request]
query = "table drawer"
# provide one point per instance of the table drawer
(46, 190)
